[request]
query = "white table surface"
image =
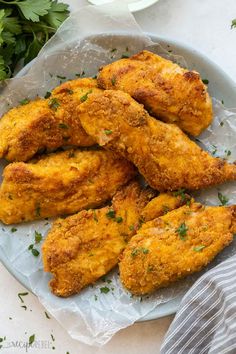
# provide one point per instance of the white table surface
(205, 25)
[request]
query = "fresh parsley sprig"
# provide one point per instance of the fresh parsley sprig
(25, 26)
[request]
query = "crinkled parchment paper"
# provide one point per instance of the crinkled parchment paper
(92, 316)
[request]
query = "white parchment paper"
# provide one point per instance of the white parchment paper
(76, 50)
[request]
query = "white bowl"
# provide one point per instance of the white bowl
(134, 5)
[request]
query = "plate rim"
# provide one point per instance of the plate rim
(169, 307)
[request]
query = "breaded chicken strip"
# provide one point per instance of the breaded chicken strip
(61, 183)
(46, 123)
(164, 203)
(175, 245)
(168, 92)
(81, 248)
(164, 155)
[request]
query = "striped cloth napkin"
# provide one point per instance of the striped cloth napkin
(206, 320)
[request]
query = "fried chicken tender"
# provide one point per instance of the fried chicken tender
(46, 123)
(175, 245)
(164, 155)
(164, 203)
(168, 92)
(61, 183)
(80, 249)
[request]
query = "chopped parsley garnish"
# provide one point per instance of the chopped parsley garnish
(95, 297)
(31, 339)
(13, 229)
(119, 219)
(63, 126)
(54, 103)
(47, 315)
(38, 210)
(111, 214)
(35, 252)
(37, 236)
(134, 252)
(227, 152)
(140, 250)
(181, 193)
(61, 77)
(198, 248)
(24, 101)
(165, 209)
(82, 74)
(95, 216)
(221, 124)
(205, 81)
(85, 97)
(104, 290)
(24, 307)
(233, 24)
(107, 132)
(48, 94)
(124, 56)
(113, 50)
(182, 231)
(222, 198)
(20, 296)
(70, 91)
(214, 149)
(222, 101)
(53, 338)
(131, 227)
(113, 81)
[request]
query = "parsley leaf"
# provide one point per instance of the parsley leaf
(107, 132)
(32, 9)
(38, 237)
(57, 14)
(199, 248)
(111, 214)
(63, 126)
(182, 231)
(31, 339)
(222, 198)
(233, 24)
(85, 97)
(54, 103)
(25, 26)
(104, 290)
(24, 102)
(20, 296)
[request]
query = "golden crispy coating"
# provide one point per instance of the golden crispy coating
(164, 155)
(46, 123)
(81, 248)
(169, 92)
(61, 183)
(175, 245)
(164, 203)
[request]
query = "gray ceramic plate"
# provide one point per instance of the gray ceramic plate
(220, 86)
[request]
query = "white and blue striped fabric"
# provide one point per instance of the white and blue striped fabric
(206, 320)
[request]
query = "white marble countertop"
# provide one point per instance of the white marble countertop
(205, 25)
